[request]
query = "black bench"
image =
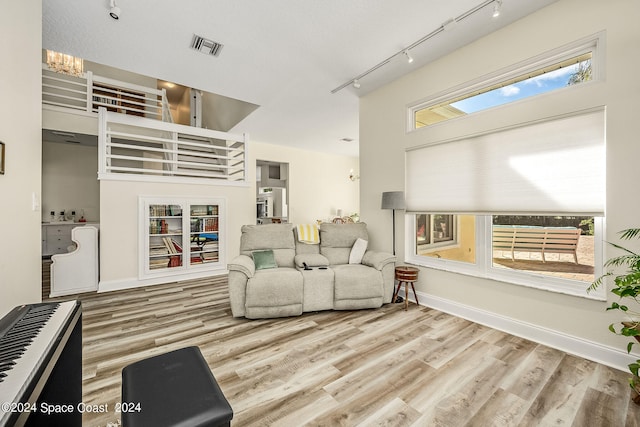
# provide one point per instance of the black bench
(175, 388)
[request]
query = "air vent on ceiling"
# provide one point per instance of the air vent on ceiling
(207, 46)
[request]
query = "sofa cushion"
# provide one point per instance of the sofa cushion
(356, 281)
(304, 248)
(264, 259)
(278, 237)
(336, 240)
(357, 251)
(275, 292)
(357, 286)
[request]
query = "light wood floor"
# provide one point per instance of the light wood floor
(371, 367)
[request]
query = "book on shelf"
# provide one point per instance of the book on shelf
(157, 263)
(165, 210)
(199, 210)
(210, 246)
(169, 245)
(210, 224)
(158, 251)
(204, 210)
(160, 226)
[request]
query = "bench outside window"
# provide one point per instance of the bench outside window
(543, 240)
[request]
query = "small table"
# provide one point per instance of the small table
(407, 275)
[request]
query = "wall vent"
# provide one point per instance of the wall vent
(207, 46)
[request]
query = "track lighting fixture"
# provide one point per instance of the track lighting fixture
(114, 12)
(446, 26)
(409, 57)
(496, 8)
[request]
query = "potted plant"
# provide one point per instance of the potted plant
(627, 287)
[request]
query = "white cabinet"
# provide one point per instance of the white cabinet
(179, 236)
(76, 271)
(56, 237)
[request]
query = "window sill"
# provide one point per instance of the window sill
(536, 281)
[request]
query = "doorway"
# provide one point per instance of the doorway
(272, 195)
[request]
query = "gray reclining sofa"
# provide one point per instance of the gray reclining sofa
(269, 279)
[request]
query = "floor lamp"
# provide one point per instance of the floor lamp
(393, 200)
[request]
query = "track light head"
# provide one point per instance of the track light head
(409, 57)
(496, 8)
(114, 12)
(356, 84)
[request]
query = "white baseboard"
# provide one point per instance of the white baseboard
(599, 353)
(134, 282)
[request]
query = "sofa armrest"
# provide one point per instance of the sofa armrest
(244, 264)
(377, 260)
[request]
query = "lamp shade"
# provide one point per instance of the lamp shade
(393, 200)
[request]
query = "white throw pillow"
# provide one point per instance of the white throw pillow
(357, 251)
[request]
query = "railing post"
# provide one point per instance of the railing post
(102, 141)
(245, 156)
(89, 76)
(164, 104)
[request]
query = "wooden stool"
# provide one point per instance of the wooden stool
(407, 275)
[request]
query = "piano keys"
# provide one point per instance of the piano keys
(41, 365)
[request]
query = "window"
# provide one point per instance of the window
(446, 236)
(553, 246)
(436, 229)
(551, 166)
(570, 66)
(557, 253)
(532, 190)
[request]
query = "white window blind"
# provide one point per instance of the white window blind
(549, 167)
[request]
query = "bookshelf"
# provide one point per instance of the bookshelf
(180, 235)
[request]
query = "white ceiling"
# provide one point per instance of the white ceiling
(284, 55)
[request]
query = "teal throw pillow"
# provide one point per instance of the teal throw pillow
(264, 259)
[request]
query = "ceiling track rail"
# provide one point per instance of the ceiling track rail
(432, 34)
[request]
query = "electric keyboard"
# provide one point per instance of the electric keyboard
(41, 364)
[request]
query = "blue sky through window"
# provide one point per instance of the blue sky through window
(526, 88)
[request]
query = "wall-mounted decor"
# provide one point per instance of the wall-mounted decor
(1, 158)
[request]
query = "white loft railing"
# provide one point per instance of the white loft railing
(140, 149)
(89, 92)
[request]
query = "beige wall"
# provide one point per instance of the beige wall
(318, 184)
(20, 130)
(70, 180)
(383, 119)
(119, 218)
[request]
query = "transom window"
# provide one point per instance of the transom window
(555, 72)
